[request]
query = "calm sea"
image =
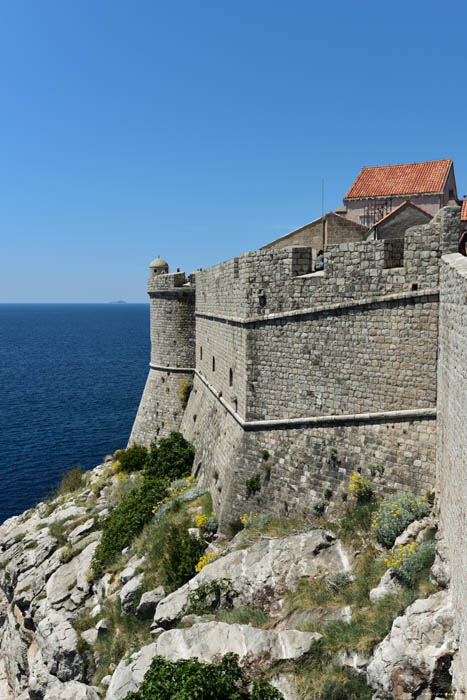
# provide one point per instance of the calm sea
(71, 377)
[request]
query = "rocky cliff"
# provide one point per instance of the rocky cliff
(305, 604)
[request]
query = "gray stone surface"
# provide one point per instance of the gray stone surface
(148, 603)
(261, 574)
(387, 585)
(129, 593)
(452, 447)
(206, 641)
(420, 645)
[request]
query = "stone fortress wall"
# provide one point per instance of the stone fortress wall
(325, 371)
(452, 439)
(299, 378)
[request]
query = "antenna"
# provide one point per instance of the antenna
(322, 214)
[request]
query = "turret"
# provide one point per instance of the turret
(172, 319)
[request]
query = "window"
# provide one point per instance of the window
(213, 363)
(230, 377)
(201, 352)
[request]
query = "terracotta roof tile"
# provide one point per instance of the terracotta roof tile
(392, 180)
(464, 210)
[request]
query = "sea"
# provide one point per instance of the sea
(71, 378)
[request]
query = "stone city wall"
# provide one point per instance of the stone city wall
(452, 439)
(305, 462)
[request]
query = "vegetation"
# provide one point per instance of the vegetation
(185, 680)
(132, 459)
(183, 553)
(126, 521)
(253, 485)
(126, 633)
(186, 387)
(395, 513)
(171, 458)
(72, 479)
(411, 563)
(208, 596)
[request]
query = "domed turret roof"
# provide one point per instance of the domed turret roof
(159, 263)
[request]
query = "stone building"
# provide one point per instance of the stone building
(395, 224)
(378, 190)
(327, 230)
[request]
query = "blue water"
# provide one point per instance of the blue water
(71, 377)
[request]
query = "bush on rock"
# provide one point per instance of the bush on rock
(185, 680)
(170, 458)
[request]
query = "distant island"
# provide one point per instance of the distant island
(117, 302)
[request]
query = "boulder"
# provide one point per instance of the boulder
(261, 574)
(387, 585)
(79, 531)
(129, 593)
(66, 576)
(417, 651)
(148, 603)
(90, 636)
(256, 648)
(58, 641)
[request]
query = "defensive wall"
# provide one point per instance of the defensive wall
(298, 377)
(452, 440)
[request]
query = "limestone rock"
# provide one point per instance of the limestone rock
(206, 642)
(413, 531)
(130, 592)
(90, 636)
(148, 603)
(75, 534)
(261, 574)
(418, 649)
(58, 641)
(74, 572)
(388, 584)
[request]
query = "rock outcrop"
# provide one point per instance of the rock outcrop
(261, 574)
(413, 661)
(208, 641)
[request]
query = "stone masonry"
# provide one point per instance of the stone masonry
(322, 372)
(452, 440)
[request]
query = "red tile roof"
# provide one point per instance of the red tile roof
(404, 204)
(464, 210)
(392, 180)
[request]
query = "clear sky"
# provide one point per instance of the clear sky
(199, 130)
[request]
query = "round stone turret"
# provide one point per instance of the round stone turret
(172, 318)
(158, 267)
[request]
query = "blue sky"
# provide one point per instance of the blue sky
(199, 130)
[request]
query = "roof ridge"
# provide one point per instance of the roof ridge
(398, 165)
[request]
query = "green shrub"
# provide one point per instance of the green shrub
(133, 459)
(318, 506)
(72, 480)
(360, 488)
(414, 568)
(253, 485)
(183, 553)
(186, 680)
(395, 513)
(351, 689)
(171, 458)
(209, 596)
(126, 521)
